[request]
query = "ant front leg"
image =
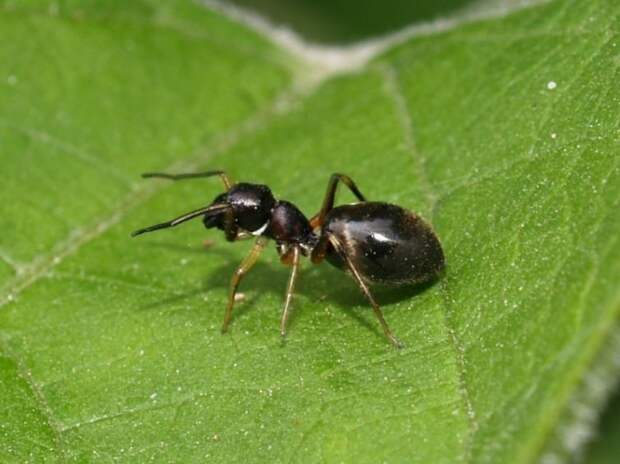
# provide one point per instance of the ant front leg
(243, 268)
(231, 230)
(330, 196)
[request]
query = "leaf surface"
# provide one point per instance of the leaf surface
(504, 133)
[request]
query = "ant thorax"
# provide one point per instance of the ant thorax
(289, 226)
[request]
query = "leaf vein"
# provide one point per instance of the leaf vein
(391, 78)
(54, 425)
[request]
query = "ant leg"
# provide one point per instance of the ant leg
(330, 195)
(243, 236)
(231, 231)
(192, 175)
(244, 267)
(289, 289)
(212, 210)
(366, 291)
(320, 250)
(240, 236)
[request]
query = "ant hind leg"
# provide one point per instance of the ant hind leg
(330, 196)
(365, 290)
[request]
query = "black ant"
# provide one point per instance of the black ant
(375, 242)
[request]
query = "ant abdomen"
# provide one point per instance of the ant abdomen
(388, 244)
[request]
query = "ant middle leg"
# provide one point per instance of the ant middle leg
(292, 258)
(330, 196)
(243, 268)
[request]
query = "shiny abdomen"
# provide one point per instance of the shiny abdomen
(388, 244)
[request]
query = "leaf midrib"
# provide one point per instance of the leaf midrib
(390, 76)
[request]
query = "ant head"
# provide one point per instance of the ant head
(251, 206)
(244, 206)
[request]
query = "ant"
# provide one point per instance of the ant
(375, 242)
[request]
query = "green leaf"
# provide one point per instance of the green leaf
(504, 133)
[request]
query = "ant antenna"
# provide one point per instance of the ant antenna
(191, 175)
(212, 210)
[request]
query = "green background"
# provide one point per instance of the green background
(110, 347)
(347, 21)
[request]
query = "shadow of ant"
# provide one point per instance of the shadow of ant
(272, 277)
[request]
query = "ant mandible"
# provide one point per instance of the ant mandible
(375, 242)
